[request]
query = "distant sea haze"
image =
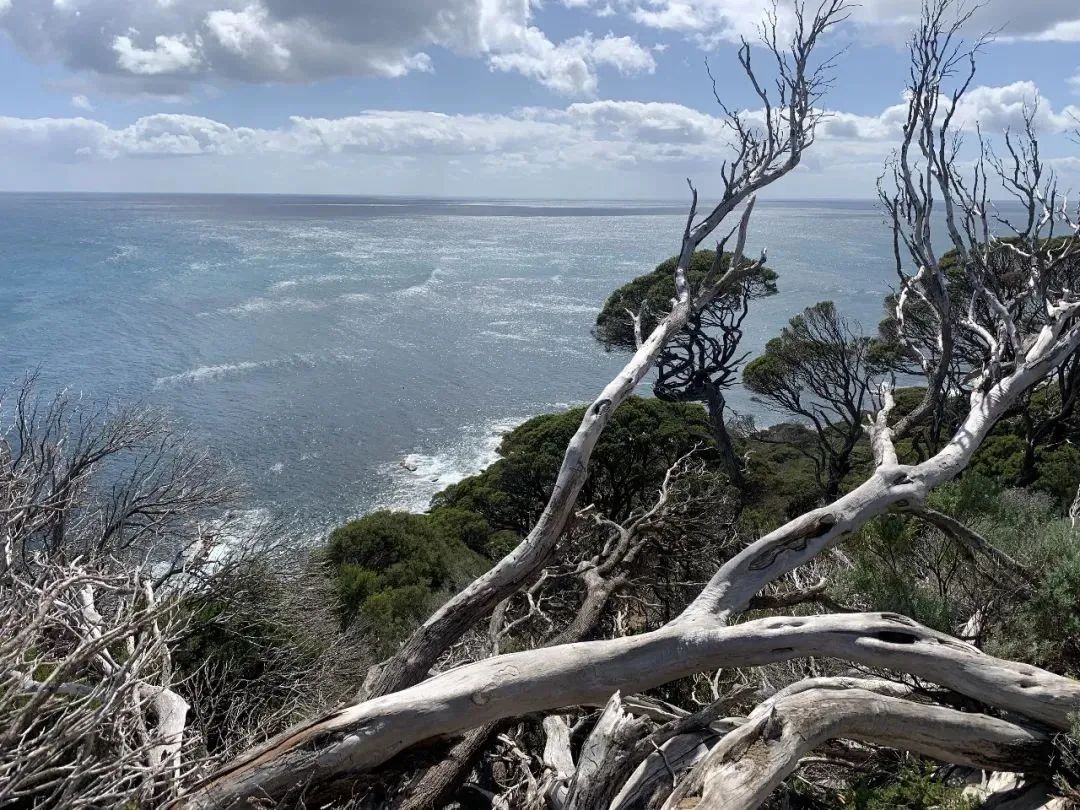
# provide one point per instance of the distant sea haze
(353, 353)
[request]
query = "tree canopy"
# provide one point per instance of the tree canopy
(654, 291)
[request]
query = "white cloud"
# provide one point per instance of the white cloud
(657, 140)
(570, 67)
(166, 45)
(710, 21)
(580, 134)
(994, 108)
(1068, 31)
(248, 35)
(170, 54)
(82, 102)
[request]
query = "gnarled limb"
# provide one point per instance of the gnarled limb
(747, 764)
(363, 736)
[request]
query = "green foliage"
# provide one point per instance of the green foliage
(913, 788)
(468, 527)
(389, 566)
(655, 290)
(900, 565)
(643, 438)
(820, 371)
(1057, 468)
(813, 357)
(886, 556)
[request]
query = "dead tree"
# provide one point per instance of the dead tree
(98, 527)
(763, 154)
(754, 753)
(109, 521)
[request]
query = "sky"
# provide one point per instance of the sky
(592, 99)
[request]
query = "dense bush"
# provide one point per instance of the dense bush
(913, 787)
(390, 566)
(901, 565)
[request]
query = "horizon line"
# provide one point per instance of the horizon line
(392, 196)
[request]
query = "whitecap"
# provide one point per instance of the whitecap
(206, 373)
(503, 335)
(255, 306)
(213, 373)
(427, 284)
(329, 278)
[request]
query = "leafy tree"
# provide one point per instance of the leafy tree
(703, 360)
(820, 370)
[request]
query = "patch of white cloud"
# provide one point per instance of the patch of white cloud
(81, 102)
(584, 133)
(167, 45)
(249, 35)
(708, 22)
(570, 67)
(170, 54)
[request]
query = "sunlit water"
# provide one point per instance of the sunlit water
(351, 353)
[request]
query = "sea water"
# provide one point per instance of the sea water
(345, 354)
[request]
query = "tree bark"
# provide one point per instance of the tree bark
(363, 736)
(747, 764)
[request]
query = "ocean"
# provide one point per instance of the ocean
(349, 353)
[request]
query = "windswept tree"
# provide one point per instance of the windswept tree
(822, 371)
(702, 361)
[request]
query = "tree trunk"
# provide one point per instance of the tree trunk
(715, 405)
(362, 737)
(438, 784)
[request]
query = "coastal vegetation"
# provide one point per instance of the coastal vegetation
(645, 601)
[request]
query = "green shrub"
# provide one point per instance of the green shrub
(389, 566)
(643, 438)
(913, 788)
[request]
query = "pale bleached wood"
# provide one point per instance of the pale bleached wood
(746, 765)
(363, 736)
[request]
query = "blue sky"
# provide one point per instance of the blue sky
(565, 98)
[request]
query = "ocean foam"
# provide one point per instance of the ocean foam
(418, 475)
(206, 373)
(427, 284)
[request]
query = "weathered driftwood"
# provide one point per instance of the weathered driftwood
(746, 765)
